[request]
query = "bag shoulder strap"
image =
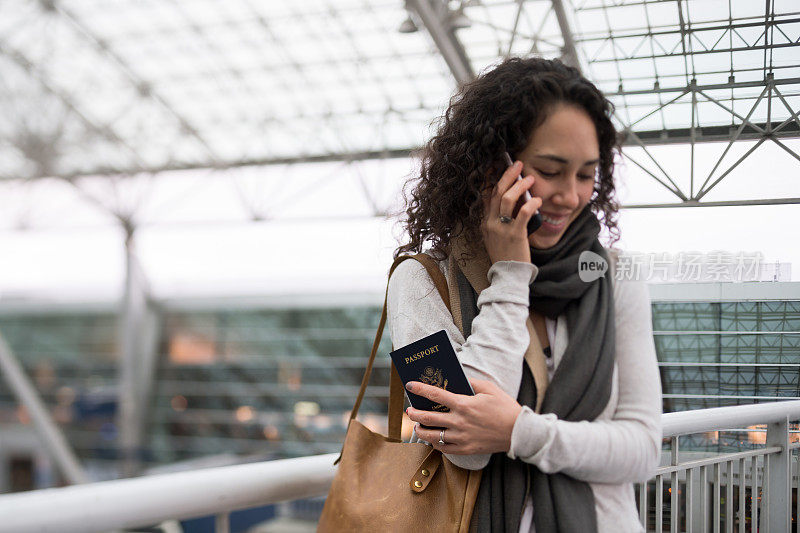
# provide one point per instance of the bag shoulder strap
(396, 391)
(396, 395)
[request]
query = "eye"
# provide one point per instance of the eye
(586, 176)
(547, 174)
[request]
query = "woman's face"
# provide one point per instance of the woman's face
(563, 155)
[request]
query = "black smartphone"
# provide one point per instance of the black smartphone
(536, 220)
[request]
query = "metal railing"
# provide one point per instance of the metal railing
(138, 502)
(767, 471)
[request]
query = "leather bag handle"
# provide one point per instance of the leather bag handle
(396, 394)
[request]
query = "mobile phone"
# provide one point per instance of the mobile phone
(536, 220)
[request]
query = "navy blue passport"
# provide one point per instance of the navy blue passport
(431, 360)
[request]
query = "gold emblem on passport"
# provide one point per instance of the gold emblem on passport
(434, 376)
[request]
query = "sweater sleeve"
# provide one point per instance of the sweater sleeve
(625, 448)
(496, 347)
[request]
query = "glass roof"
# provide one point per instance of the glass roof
(95, 87)
(647, 53)
(160, 84)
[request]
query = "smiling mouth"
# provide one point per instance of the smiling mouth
(555, 221)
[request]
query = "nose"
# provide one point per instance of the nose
(567, 194)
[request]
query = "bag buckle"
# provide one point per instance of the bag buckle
(425, 472)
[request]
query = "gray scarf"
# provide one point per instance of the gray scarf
(580, 389)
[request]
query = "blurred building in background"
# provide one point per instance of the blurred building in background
(263, 380)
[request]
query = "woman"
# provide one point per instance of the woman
(567, 410)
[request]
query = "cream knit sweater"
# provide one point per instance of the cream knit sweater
(621, 446)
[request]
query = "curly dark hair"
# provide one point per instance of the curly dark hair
(495, 113)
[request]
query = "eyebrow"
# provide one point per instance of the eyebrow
(559, 159)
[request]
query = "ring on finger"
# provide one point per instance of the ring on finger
(506, 220)
(441, 437)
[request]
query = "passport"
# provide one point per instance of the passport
(431, 360)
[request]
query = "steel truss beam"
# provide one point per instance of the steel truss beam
(732, 84)
(740, 128)
(434, 15)
(723, 203)
(695, 28)
(714, 134)
(697, 52)
(569, 54)
(691, 42)
(267, 161)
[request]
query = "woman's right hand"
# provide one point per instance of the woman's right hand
(508, 241)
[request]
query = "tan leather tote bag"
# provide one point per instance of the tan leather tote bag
(384, 484)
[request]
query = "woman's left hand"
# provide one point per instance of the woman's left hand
(475, 424)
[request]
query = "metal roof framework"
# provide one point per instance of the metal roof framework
(662, 102)
(132, 91)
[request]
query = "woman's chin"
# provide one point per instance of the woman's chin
(542, 242)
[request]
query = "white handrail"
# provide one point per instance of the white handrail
(128, 503)
(736, 416)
